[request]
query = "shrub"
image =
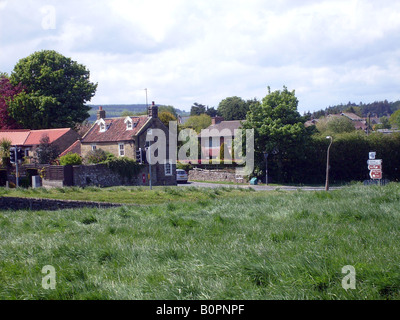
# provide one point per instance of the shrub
(98, 156)
(71, 159)
(125, 167)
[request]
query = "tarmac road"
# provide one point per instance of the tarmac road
(255, 187)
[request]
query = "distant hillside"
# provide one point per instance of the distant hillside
(377, 108)
(115, 110)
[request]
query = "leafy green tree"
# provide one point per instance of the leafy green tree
(56, 90)
(335, 125)
(166, 117)
(395, 119)
(233, 108)
(198, 123)
(279, 131)
(197, 109)
(169, 109)
(46, 152)
(212, 112)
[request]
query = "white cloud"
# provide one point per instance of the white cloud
(203, 51)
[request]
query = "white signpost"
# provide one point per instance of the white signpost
(374, 167)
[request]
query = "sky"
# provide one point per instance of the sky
(203, 51)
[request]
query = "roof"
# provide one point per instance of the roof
(17, 137)
(74, 148)
(219, 127)
(31, 137)
(36, 135)
(116, 130)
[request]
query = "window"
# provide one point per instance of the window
(129, 125)
(94, 147)
(102, 125)
(121, 149)
(168, 169)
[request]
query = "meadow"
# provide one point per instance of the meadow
(195, 243)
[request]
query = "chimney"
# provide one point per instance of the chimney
(101, 114)
(153, 111)
(216, 120)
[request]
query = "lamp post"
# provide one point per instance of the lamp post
(327, 165)
(266, 167)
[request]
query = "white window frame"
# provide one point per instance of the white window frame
(168, 168)
(102, 125)
(94, 147)
(121, 154)
(129, 123)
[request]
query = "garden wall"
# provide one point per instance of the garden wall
(215, 175)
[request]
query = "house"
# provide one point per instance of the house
(125, 136)
(358, 122)
(29, 140)
(218, 133)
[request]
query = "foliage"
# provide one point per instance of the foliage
(184, 166)
(166, 117)
(334, 125)
(71, 159)
(198, 122)
(98, 156)
(278, 130)
(46, 152)
(8, 92)
(197, 109)
(56, 90)
(5, 145)
(233, 108)
(169, 109)
(395, 119)
(125, 167)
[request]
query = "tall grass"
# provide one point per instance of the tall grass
(286, 245)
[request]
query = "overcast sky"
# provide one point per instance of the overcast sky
(187, 51)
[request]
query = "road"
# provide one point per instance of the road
(255, 187)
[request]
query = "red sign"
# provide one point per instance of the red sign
(144, 178)
(375, 167)
(375, 174)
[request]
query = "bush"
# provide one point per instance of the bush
(73, 159)
(125, 167)
(98, 156)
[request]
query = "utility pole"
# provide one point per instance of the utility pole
(327, 165)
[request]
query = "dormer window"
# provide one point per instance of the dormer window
(129, 123)
(102, 125)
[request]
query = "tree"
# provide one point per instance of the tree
(395, 119)
(197, 109)
(278, 130)
(8, 92)
(72, 159)
(233, 108)
(169, 109)
(46, 152)
(166, 117)
(56, 90)
(334, 125)
(198, 122)
(212, 112)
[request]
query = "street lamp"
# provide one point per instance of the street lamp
(327, 165)
(266, 167)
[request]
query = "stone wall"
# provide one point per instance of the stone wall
(215, 175)
(101, 175)
(12, 203)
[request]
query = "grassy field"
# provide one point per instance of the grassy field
(208, 244)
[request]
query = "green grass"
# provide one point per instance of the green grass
(280, 245)
(127, 195)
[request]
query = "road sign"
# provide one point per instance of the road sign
(375, 174)
(375, 167)
(372, 155)
(375, 162)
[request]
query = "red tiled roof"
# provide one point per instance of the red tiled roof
(74, 148)
(36, 135)
(116, 130)
(17, 137)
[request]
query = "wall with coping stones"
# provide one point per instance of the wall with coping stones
(214, 175)
(13, 203)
